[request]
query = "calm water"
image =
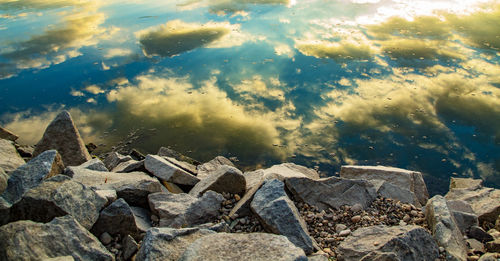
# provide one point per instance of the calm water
(407, 83)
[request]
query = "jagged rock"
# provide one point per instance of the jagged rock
(167, 171)
(134, 187)
(388, 190)
(252, 246)
(332, 192)
(136, 155)
(108, 194)
(484, 201)
(129, 247)
(32, 174)
(59, 196)
(478, 233)
(115, 158)
(475, 245)
(94, 164)
(120, 218)
(63, 236)
(167, 152)
(171, 187)
(317, 257)
(242, 208)
(466, 183)
(9, 158)
(490, 257)
(493, 246)
(26, 151)
(404, 179)
(444, 228)
(205, 169)
(463, 214)
(225, 179)
(168, 243)
(280, 216)
(190, 168)
(253, 178)
(280, 172)
(3, 181)
(184, 210)
(400, 242)
(63, 136)
(7, 135)
(129, 166)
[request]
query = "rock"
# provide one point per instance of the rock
(167, 152)
(63, 236)
(167, 171)
(490, 257)
(402, 242)
(252, 246)
(475, 245)
(63, 136)
(9, 158)
(32, 174)
(319, 256)
(184, 210)
(59, 196)
(463, 214)
(204, 170)
(493, 246)
(129, 166)
(444, 228)
(242, 208)
(129, 247)
(280, 172)
(115, 158)
(7, 135)
(26, 151)
(484, 201)
(59, 258)
(345, 233)
(136, 155)
(401, 178)
(134, 187)
(3, 181)
(171, 187)
(190, 168)
(388, 190)
(478, 233)
(105, 238)
(280, 216)
(225, 179)
(108, 194)
(94, 164)
(253, 178)
(332, 192)
(120, 218)
(168, 243)
(340, 227)
(465, 183)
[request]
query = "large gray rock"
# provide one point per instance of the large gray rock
(394, 243)
(63, 136)
(444, 228)
(161, 244)
(235, 247)
(404, 179)
(388, 190)
(184, 210)
(94, 164)
(63, 236)
(7, 135)
(167, 171)
(190, 168)
(32, 174)
(280, 216)
(463, 214)
(3, 181)
(114, 159)
(59, 196)
(129, 166)
(225, 179)
(167, 152)
(9, 157)
(280, 172)
(466, 183)
(204, 170)
(120, 218)
(134, 187)
(332, 192)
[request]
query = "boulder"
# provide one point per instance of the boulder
(168, 152)
(167, 171)
(252, 246)
(225, 179)
(463, 214)
(168, 243)
(121, 219)
(404, 179)
(466, 183)
(63, 136)
(190, 168)
(129, 247)
(279, 215)
(59, 196)
(184, 210)
(253, 178)
(7, 135)
(129, 166)
(9, 157)
(115, 158)
(134, 187)
(108, 194)
(32, 174)
(63, 236)
(444, 228)
(3, 181)
(387, 190)
(332, 192)
(94, 164)
(204, 170)
(398, 243)
(484, 201)
(478, 233)
(280, 172)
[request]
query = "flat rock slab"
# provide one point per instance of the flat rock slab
(402, 178)
(184, 210)
(115, 158)
(7, 135)
(162, 244)
(190, 168)
(388, 190)
(168, 152)
(134, 187)
(129, 166)
(394, 243)
(484, 201)
(225, 179)
(280, 172)
(63, 136)
(242, 208)
(94, 164)
(59, 196)
(279, 215)
(9, 157)
(466, 183)
(236, 247)
(165, 170)
(63, 236)
(332, 192)
(206, 169)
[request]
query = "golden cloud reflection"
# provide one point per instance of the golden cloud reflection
(338, 51)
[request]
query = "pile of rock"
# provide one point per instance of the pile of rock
(63, 204)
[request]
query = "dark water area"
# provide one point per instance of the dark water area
(403, 83)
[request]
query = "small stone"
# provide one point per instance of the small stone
(356, 219)
(414, 213)
(237, 197)
(105, 238)
(327, 250)
(340, 227)
(356, 208)
(441, 249)
(155, 218)
(345, 233)
(472, 258)
(406, 218)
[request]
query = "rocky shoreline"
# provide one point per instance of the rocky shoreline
(58, 202)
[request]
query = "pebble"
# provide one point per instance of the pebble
(414, 213)
(345, 233)
(356, 208)
(105, 238)
(406, 218)
(340, 227)
(237, 197)
(356, 219)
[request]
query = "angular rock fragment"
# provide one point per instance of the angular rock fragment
(3, 181)
(242, 208)
(63, 136)
(280, 172)
(190, 168)
(108, 194)
(332, 192)
(9, 157)
(204, 170)
(225, 179)
(129, 247)
(466, 183)
(94, 164)
(129, 166)
(167, 171)
(7, 135)
(63, 236)
(167, 152)
(388, 190)
(280, 216)
(115, 158)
